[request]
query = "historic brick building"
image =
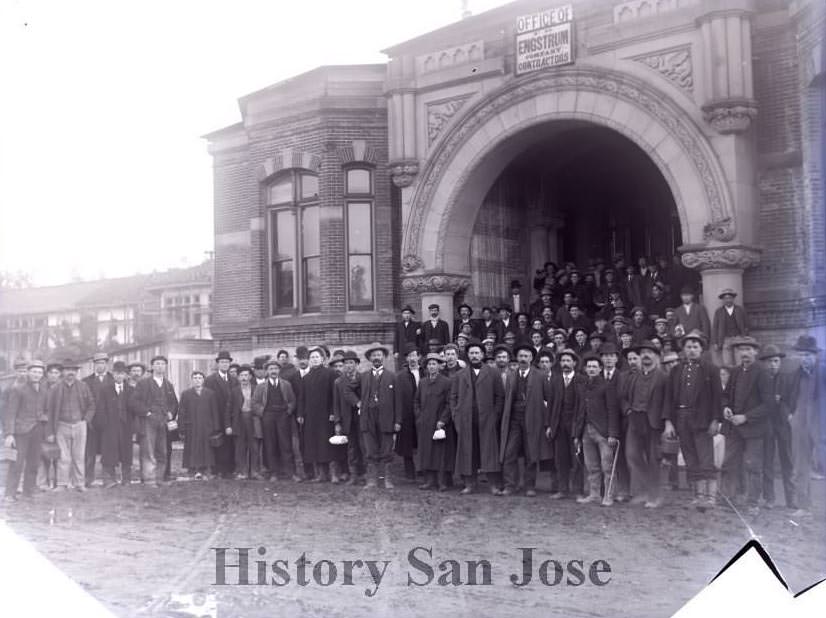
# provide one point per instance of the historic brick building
(530, 132)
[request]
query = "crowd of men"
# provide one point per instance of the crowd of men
(569, 383)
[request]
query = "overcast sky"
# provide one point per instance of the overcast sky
(102, 168)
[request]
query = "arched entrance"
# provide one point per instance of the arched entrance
(486, 137)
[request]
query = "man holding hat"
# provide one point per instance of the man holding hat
(476, 401)
(694, 414)
(526, 419)
(116, 427)
(408, 331)
(99, 381)
(807, 411)
(24, 430)
(71, 409)
(380, 415)
(346, 415)
(155, 404)
(223, 385)
(435, 328)
(432, 410)
(730, 322)
(779, 434)
(747, 418)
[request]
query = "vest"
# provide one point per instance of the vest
(275, 399)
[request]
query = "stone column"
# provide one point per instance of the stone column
(539, 247)
(439, 288)
(720, 267)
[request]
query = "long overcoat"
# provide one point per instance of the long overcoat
(315, 405)
(199, 418)
(431, 405)
(538, 406)
(116, 424)
(490, 396)
(405, 392)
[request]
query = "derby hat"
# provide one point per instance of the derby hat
(771, 351)
(806, 343)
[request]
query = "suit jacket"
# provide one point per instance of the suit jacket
(260, 392)
(407, 333)
(558, 416)
(633, 290)
(752, 394)
(223, 395)
(150, 405)
(657, 397)
(740, 319)
(389, 413)
(26, 407)
(538, 404)
(474, 328)
(489, 402)
(440, 332)
(54, 402)
(599, 406)
(96, 387)
(346, 396)
(696, 320)
(707, 406)
(494, 326)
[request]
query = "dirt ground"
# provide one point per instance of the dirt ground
(133, 547)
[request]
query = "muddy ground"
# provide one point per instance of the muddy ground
(133, 547)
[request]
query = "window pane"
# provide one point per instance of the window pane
(310, 231)
(359, 234)
(282, 285)
(358, 181)
(309, 186)
(361, 281)
(312, 283)
(283, 234)
(281, 191)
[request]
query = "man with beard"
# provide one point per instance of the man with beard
(223, 385)
(380, 416)
(274, 403)
(566, 456)
(346, 415)
(407, 381)
(526, 422)
(435, 327)
(779, 436)
(476, 401)
(97, 383)
(452, 364)
(315, 415)
(116, 428)
(502, 356)
(693, 414)
(432, 411)
(644, 400)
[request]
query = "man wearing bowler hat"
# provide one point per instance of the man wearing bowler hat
(807, 411)
(116, 428)
(380, 415)
(435, 327)
(223, 385)
(526, 420)
(730, 321)
(408, 330)
(694, 414)
(99, 381)
(779, 435)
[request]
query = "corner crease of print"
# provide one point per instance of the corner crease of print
(751, 585)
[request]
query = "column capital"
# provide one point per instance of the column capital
(403, 171)
(730, 115)
(435, 283)
(736, 257)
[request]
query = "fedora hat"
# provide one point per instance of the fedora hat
(434, 356)
(373, 348)
(100, 356)
(302, 353)
(57, 366)
(609, 347)
(568, 352)
(524, 346)
(727, 292)
(350, 355)
(597, 335)
(670, 357)
(770, 351)
(806, 343)
(645, 345)
(71, 364)
(223, 355)
(410, 347)
(466, 306)
(409, 308)
(119, 367)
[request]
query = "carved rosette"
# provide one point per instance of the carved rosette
(722, 230)
(435, 284)
(411, 263)
(403, 172)
(730, 116)
(721, 257)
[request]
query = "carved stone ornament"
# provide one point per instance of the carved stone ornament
(403, 172)
(731, 116)
(721, 257)
(435, 284)
(722, 230)
(673, 64)
(411, 262)
(438, 115)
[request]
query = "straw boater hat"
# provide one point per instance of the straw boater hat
(100, 356)
(36, 364)
(373, 348)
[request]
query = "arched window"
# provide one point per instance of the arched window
(295, 244)
(359, 205)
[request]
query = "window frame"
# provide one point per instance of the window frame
(360, 199)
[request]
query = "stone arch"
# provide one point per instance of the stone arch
(477, 146)
(288, 159)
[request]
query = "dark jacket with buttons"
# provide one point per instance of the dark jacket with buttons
(598, 405)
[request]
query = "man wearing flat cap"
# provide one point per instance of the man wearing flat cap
(476, 402)
(730, 322)
(116, 428)
(435, 327)
(380, 416)
(408, 330)
(24, 430)
(223, 385)
(99, 381)
(807, 411)
(779, 434)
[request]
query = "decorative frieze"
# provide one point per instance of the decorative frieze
(439, 113)
(730, 116)
(435, 283)
(640, 9)
(450, 57)
(735, 256)
(673, 64)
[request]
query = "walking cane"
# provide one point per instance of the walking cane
(613, 470)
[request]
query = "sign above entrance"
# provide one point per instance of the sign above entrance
(544, 39)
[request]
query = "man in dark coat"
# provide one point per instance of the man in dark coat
(154, 404)
(476, 402)
(632, 287)
(247, 427)
(294, 374)
(747, 417)
(347, 394)
(526, 422)
(432, 410)
(693, 413)
(566, 400)
(200, 421)
(274, 402)
(691, 315)
(97, 383)
(116, 427)
(730, 322)
(381, 418)
(596, 430)
(407, 381)
(435, 328)
(643, 402)
(315, 415)
(408, 331)
(656, 302)
(779, 434)
(223, 385)
(465, 312)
